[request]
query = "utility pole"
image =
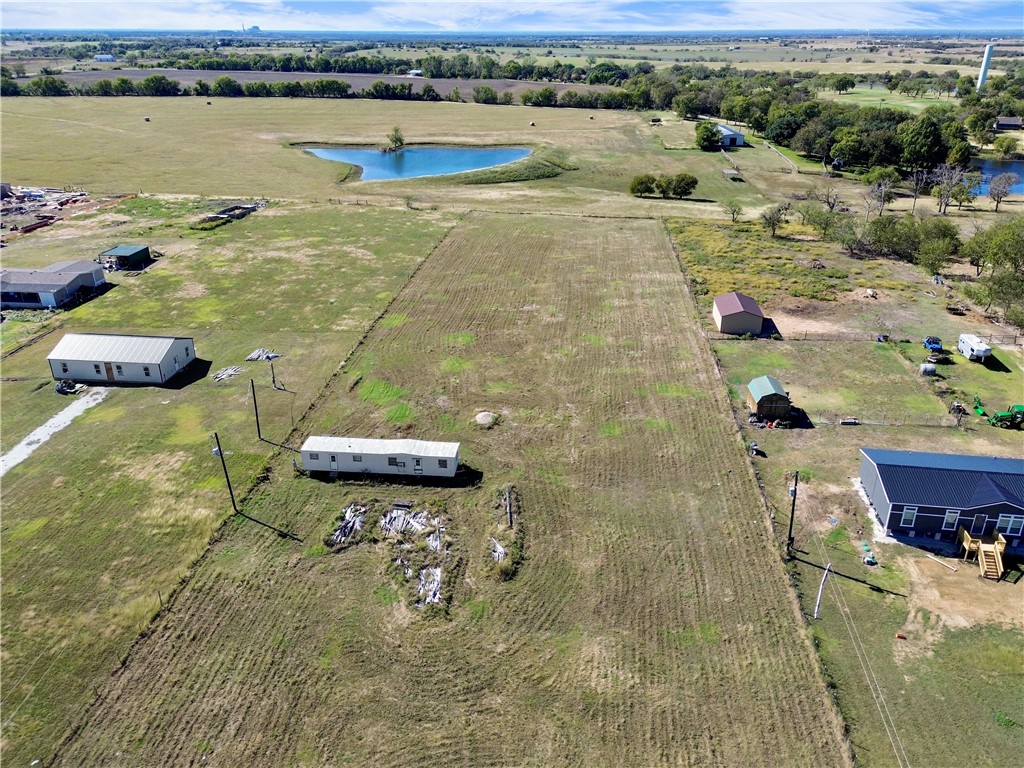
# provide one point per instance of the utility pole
(240, 513)
(792, 513)
(255, 407)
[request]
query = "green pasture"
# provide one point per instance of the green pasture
(879, 96)
(105, 518)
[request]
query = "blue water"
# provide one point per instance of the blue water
(990, 168)
(413, 162)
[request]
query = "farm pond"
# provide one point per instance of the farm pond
(413, 162)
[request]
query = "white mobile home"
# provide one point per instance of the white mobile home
(384, 457)
(120, 358)
(973, 348)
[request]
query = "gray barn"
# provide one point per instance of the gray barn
(49, 287)
(120, 358)
(384, 457)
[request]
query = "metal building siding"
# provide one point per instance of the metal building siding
(96, 347)
(874, 489)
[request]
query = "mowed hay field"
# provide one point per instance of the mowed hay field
(650, 623)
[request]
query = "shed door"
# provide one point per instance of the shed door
(110, 371)
(978, 526)
(417, 466)
(334, 461)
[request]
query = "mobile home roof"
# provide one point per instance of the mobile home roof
(91, 347)
(380, 447)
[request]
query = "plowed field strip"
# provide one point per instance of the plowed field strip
(650, 624)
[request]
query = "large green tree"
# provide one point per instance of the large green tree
(708, 137)
(922, 143)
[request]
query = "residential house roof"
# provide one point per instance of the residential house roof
(48, 278)
(955, 481)
(734, 303)
(763, 386)
(380, 447)
(92, 347)
(1009, 122)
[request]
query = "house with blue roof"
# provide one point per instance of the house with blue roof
(931, 495)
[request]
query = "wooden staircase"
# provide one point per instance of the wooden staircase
(989, 553)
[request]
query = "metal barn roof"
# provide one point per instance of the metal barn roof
(125, 250)
(45, 278)
(727, 131)
(763, 386)
(327, 444)
(956, 481)
(734, 303)
(94, 347)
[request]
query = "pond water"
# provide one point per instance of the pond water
(414, 162)
(990, 168)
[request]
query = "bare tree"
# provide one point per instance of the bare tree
(879, 194)
(827, 195)
(1000, 187)
(946, 178)
(918, 180)
(734, 209)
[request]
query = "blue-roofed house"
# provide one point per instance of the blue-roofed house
(931, 495)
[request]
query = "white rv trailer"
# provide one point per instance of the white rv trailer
(973, 348)
(385, 457)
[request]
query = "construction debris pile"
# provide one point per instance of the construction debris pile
(404, 525)
(25, 209)
(351, 523)
(227, 373)
(262, 354)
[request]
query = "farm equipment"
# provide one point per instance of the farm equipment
(979, 407)
(1011, 418)
(932, 344)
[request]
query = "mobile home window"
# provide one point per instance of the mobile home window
(96, 367)
(357, 458)
(119, 370)
(314, 457)
(1011, 525)
(392, 461)
(186, 351)
(952, 518)
(909, 513)
(63, 367)
(442, 463)
(145, 370)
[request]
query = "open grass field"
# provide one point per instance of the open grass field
(103, 520)
(865, 96)
(650, 622)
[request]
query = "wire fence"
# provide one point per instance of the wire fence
(996, 339)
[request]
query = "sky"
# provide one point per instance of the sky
(604, 16)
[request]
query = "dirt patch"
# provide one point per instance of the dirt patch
(941, 599)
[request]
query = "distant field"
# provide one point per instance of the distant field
(631, 636)
(864, 96)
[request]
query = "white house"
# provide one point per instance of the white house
(104, 57)
(737, 313)
(730, 137)
(384, 457)
(52, 286)
(120, 358)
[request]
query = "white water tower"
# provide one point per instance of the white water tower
(985, 61)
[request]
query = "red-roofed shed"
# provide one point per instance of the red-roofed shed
(737, 313)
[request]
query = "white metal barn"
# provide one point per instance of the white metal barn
(120, 358)
(384, 457)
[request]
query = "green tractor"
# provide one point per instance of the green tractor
(1011, 418)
